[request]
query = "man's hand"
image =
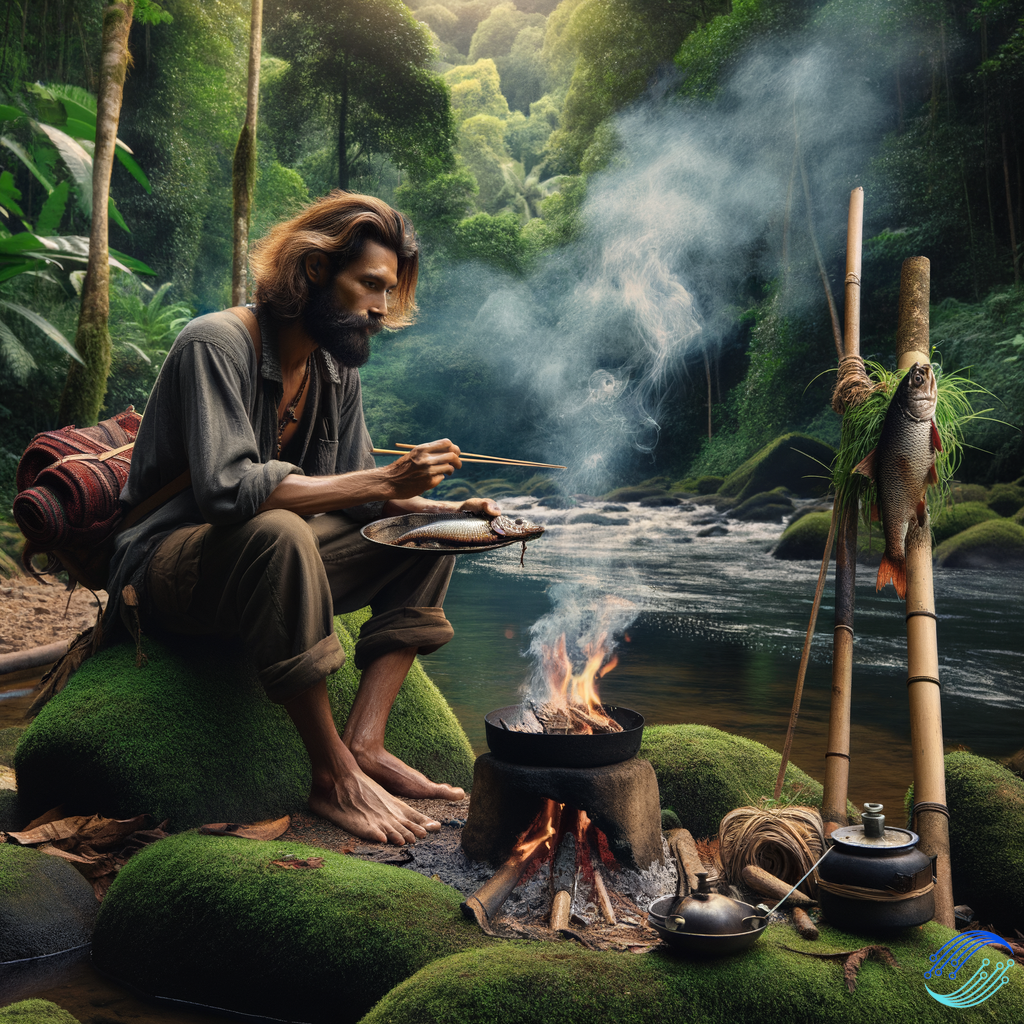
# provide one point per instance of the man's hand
(480, 506)
(422, 468)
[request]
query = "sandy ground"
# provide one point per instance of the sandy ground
(33, 614)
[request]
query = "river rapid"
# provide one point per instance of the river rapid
(718, 636)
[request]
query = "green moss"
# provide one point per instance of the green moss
(709, 484)
(703, 773)
(1006, 499)
(36, 1011)
(1018, 517)
(970, 492)
(211, 920)
(795, 461)
(764, 507)
(191, 736)
(557, 983)
(998, 543)
(12, 817)
(986, 823)
(8, 743)
(956, 518)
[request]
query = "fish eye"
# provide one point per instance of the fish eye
(519, 522)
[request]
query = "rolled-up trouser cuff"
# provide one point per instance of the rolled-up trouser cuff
(286, 679)
(426, 629)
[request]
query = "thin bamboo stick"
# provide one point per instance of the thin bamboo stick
(837, 754)
(483, 461)
(923, 687)
(492, 458)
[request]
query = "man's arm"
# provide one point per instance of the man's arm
(400, 483)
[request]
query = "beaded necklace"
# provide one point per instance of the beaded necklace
(289, 413)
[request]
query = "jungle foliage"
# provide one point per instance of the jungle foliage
(490, 122)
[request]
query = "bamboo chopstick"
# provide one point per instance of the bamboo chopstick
(485, 461)
(494, 458)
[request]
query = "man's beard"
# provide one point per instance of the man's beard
(346, 336)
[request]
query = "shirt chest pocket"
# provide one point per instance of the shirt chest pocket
(326, 457)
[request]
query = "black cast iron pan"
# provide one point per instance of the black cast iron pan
(548, 750)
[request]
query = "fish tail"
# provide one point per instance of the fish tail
(893, 570)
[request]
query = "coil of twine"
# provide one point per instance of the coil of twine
(784, 841)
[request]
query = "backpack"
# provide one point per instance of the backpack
(68, 504)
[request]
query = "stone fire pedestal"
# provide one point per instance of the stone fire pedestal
(621, 799)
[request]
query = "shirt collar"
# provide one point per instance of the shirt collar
(270, 364)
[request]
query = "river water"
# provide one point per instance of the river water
(718, 636)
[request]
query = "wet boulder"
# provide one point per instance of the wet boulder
(190, 736)
(1006, 499)
(46, 906)
(596, 519)
(794, 461)
(766, 507)
(212, 920)
(998, 543)
(703, 773)
(806, 534)
(956, 518)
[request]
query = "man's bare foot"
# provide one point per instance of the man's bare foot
(361, 806)
(401, 780)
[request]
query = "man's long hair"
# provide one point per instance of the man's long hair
(338, 225)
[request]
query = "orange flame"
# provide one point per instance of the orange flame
(579, 688)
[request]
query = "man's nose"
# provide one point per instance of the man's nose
(380, 304)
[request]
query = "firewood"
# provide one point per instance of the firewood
(561, 907)
(768, 885)
(803, 924)
(604, 903)
(683, 848)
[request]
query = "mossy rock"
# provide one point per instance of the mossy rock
(708, 484)
(1006, 499)
(12, 817)
(805, 536)
(596, 519)
(986, 848)
(36, 1011)
(955, 519)
(46, 906)
(996, 544)
(664, 482)
(1018, 517)
(970, 492)
(540, 486)
(559, 983)
(210, 920)
(192, 737)
(795, 461)
(766, 507)
(635, 493)
(660, 501)
(703, 773)
(9, 743)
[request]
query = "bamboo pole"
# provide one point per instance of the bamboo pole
(837, 754)
(923, 687)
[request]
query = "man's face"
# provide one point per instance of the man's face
(345, 313)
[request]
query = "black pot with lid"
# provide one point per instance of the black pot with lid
(875, 876)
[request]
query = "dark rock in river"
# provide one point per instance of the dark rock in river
(46, 906)
(211, 920)
(558, 501)
(766, 507)
(986, 848)
(805, 536)
(660, 501)
(192, 737)
(635, 493)
(615, 508)
(996, 544)
(718, 530)
(794, 461)
(596, 519)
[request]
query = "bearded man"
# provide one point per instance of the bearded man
(265, 543)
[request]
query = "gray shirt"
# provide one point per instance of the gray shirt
(213, 411)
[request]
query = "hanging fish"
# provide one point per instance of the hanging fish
(903, 467)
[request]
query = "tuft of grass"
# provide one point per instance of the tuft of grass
(862, 427)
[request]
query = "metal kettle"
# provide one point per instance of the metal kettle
(704, 912)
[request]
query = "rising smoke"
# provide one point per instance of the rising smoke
(693, 204)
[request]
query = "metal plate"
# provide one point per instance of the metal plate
(893, 839)
(387, 531)
(551, 750)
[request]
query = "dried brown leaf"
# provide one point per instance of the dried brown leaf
(311, 862)
(262, 830)
(852, 960)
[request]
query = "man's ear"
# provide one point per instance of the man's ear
(317, 269)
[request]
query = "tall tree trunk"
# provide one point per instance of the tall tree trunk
(243, 171)
(1009, 214)
(7, 37)
(343, 132)
(86, 385)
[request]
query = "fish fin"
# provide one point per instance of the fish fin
(866, 466)
(922, 513)
(936, 440)
(933, 475)
(893, 570)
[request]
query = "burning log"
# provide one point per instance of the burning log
(561, 717)
(604, 902)
(563, 875)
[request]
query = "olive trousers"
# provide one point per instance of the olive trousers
(277, 581)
